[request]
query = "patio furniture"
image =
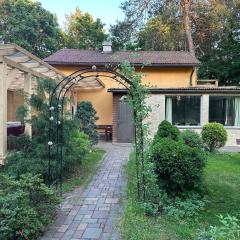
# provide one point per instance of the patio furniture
(15, 128)
(106, 130)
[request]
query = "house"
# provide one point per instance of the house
(175, 93)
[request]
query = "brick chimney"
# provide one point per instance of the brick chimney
(107, 47)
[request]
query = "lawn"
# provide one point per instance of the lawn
(222, 190)
(83, 172)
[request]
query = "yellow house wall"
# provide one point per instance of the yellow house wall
(102, 100)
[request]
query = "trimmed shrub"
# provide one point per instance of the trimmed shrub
(214, 136)
(166, 130)
(27, 206)
(33, 157)
(179, 167)
(87, 116)
(192, 139)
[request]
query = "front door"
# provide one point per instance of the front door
(125, 124)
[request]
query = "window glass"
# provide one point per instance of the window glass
(224, 110)
(183, 110)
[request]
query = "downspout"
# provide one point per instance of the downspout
(191, 77)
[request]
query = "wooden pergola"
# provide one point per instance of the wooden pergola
(19, 69)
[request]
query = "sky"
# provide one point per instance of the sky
(107, 10)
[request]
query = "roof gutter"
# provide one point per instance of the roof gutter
(114, 64)
(190, 90)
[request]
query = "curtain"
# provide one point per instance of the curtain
(237, 112)
(169, 109)
(227, 113)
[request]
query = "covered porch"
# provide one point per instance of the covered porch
(19, 70)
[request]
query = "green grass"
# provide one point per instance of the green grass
(222, 187)
(83, 171)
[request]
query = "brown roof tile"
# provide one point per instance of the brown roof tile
(90, 57)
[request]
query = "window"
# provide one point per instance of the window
(225, 110)
(183, 110)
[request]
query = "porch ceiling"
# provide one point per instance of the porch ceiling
(19, 61)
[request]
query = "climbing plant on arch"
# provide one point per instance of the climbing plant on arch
(123, 74)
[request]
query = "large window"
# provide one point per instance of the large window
(183, 110)
(225, 110)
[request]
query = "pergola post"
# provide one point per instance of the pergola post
(3, 111)
(28, 90)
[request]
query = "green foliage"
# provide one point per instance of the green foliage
(137, 95)
(166, 130)
(192, 139)
(29, 25)
(121, 36)
(84, 32)
(214, 136)
(87, 116)
(82, 172)
(228, 230)
(178, 166)
(32, 155)
(21, 142)
(27, 206)
(186, 219)
(165, 30)
(21, 113)
(185, 207)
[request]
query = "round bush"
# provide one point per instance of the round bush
(214, 136)
(179, 167)
(192, 139)
(166, 130)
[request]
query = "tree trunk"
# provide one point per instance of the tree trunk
(187, 25)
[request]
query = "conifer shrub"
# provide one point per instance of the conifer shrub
(87, 116)
(192, 139)
(166, 130)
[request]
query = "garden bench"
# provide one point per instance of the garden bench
(106, 130)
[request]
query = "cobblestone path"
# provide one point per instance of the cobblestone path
(94, 212)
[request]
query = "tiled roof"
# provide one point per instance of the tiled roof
(152, 58)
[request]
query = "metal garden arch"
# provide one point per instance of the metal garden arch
(56, 123)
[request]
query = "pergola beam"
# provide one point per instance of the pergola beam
(19, 59)
(22, 67)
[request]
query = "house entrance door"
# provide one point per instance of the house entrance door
(125, 124)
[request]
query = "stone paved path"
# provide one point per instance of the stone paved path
(93, 212)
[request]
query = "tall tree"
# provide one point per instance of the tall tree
(137, 10)
(29, 25)
(187, 25)
(83, 31)
(122, 37)
(163, 31)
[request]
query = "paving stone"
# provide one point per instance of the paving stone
(111, 200)
(89, 220)
(63, 228)
(100, 214)
(68, 235)
(92, 233)
(82, 226)
(93, 213)
(78, 234)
